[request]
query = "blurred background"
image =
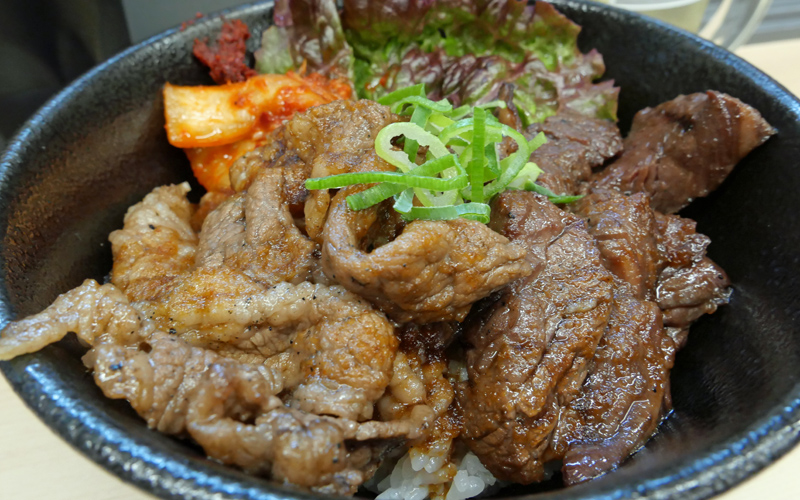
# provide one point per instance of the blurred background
(45, 44)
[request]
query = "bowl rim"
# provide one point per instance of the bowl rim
(704, 474)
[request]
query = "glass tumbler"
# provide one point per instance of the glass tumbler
(728, 23)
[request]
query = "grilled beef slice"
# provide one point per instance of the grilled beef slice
(529, 351)
(575, 144)
(684, 148)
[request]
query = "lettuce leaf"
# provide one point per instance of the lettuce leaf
(315, 38)
(463, 50)
(467, 50)
(274, 56)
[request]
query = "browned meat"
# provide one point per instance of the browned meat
(331, 352)
(254, 232)
(226, 59)
(208, 203)
(625, 394)
(685, 294)
(90, 310)
(683, 149)
(530, 350)
(575, 144)
(433, 271)
(690, 283)
(231, 409)
(326, 357)
(336, 138)
(624, 228)
(274, 154)
(420, 383)
(338, 127)
(326, 140)
(601, 404)
(661, 257)
(156, 244)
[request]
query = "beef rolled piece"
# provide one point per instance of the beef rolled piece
(575, 144)
(626, 392)
(684, 148)
(424, 272)
(664, 282)
(528, 352)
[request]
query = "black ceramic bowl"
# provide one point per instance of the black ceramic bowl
(100, 146)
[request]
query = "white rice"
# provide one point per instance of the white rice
(434, 472)
(437, 470)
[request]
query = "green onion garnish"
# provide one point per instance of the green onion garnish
(474, 211)
(442, 106)
(477, 163)
(400, 94)
(456, 174)
(555, 198)
(385, 190)
(404, 202)
(403, 179)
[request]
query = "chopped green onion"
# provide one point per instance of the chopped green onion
(384, 148)
(460, 112)
(405, 201)
(529, 173)
(397, 95)
(386, 190)
(492, 104)
(452, 138)
(492, 164)
(558, 199)
(475, 165)
(438, 122)
(511, 167)
(537, 141)
(420, 118)
(405, 179)
(442, 106)
(477, 210)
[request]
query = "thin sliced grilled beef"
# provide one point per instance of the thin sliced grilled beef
(626, 234)
(575, 144)
(690, 284)
(529, 351)
(156, 245)
(661, 257)
(255, 233)
(330, 139)
(432, 271)
(625, 394)
(684, 148)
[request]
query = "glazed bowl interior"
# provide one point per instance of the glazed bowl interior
(99, 147)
